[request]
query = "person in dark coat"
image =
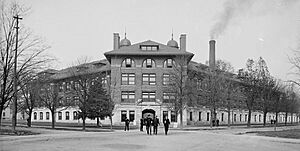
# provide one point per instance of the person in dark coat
(148, 124)
(155, 125)
(166, 125)
(141, 124)
(127, 124)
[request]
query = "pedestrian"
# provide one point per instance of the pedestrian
(141, 124)
(155, 125)
(127, 124)
(148, 125)
(166, 125)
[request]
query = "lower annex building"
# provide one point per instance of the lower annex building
(139, 75)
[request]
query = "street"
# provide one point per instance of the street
(179, 140)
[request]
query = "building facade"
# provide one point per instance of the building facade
(138, 76)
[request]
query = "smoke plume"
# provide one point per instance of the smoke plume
(233, 9)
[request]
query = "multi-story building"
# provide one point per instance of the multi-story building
(139, 75)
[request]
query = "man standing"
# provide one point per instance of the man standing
(141, 124)
(148, 124)
(127, 124)
(166, 125)
(155, 124)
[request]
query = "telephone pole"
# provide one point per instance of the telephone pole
(14, 114)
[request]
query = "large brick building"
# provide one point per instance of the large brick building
(139, 75)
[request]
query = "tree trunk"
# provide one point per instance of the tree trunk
(249, 119)
(1, 110)
(228, 112)
(29, 118)
(110, 118)
(285, 120)
(291, 118)
(83, 122)
(265, 116)
(53, 119)
(98, 122)
(181, 117)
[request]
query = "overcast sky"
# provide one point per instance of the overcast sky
(242, 28)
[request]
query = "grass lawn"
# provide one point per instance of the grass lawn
(8, 131)
(292, 133)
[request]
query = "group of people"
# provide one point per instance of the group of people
(149, 123)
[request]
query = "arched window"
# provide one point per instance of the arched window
(34, 115)
(169, 63)
(59, 116)
(75, 117)
(149, 63)
(67, 115)
(128, 63)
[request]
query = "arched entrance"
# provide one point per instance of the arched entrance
(148, 112)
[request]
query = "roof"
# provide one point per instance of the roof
(86, 68)
(136, 51)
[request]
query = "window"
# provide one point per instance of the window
(149, 78)
(123, 116)
(222, 117)
(128, 96)
(165, 115)
(76, 85)
(167, 78)
(254, 118)
(207, 116)
(191, 116)
(47, 115)
(67, 115)
(61, 88)
(148, 96)
(198, 84)
(128, 78)
(68, 86)
(169, 63)
(34, 115)
(168, 97)
(234, 117)
(148, 63)
(131, 116)
(59, 116)
(76, 100)
(259, 116)
(245, 117)
(200, 116)
(149, 47)
(173, 116)
(240, 117)
(75, 116)
(3, 114)
(68, 100)
(128, 63)
(41, 115)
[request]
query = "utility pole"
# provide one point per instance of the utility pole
(14, 115)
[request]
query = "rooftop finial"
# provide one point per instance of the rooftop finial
(172, 33)
(125, 32)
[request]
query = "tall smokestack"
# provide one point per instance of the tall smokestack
(182, 41)
(212, 55)
(116, 41)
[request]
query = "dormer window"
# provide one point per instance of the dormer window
(149, 63)
(149, 47)
(128, 63)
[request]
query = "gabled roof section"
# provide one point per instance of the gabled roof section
(136, 50)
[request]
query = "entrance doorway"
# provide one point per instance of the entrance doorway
(148, 112)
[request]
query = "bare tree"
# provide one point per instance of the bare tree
(30, 51)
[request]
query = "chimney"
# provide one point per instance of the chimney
(212, 55)
(182, 42)
(116, 41)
